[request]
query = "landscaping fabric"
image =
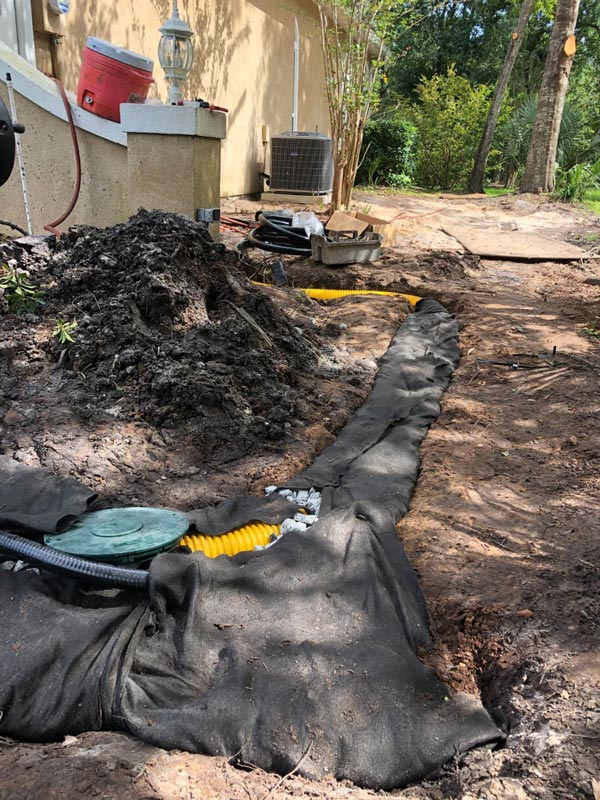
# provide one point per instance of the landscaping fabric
(238, 511)
(305, 654)
(37, 501)
(376, 455)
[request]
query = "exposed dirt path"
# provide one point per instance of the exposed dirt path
(503, 531)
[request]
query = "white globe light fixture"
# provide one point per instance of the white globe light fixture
(176, 53)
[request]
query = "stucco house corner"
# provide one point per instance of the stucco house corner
(243, 61)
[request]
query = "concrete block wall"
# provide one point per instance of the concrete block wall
(50, 171)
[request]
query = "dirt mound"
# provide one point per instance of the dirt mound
(169, 330)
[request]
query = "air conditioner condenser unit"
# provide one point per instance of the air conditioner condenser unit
(301, 163)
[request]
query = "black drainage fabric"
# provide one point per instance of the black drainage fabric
(376, 455)
(35, 500)
(307, 651)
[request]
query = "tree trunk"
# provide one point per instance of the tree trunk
(540, 167)
(476, 180)
(338, 185)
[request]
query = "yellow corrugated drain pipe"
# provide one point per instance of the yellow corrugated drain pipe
(335, 294)
(247, 538)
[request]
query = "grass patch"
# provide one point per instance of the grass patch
(592, 200)
(493, 191)
(496, 191)
(388, 191)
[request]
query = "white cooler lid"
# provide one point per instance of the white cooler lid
(119, 54)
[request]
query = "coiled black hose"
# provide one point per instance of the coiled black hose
(275, 234)
(103, 576)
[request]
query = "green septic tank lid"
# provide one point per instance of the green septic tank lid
(121, 535)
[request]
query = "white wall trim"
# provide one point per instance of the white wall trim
(25, 34)
(41, 90)
(185, 120)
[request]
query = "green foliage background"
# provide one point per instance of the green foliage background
(443, 67)
(389, 152)
(449, 115)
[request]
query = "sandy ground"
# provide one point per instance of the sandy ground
(502, 530)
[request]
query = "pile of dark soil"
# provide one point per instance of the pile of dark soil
(168, 330)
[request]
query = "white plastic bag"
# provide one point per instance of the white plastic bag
(308, 221)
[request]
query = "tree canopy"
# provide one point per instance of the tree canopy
(471, 38)
(452, 55)
(460, 52)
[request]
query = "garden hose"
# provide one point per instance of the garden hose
(51, 226)
(103, 576)
(276, 234)
(247, 538)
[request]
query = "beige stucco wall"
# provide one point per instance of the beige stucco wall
(50, 170)
(243, 61)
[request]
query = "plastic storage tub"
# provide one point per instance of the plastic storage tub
(110, 76)
(346, 251)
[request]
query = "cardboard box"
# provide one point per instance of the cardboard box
(356, 221)
(382, 226)
(340, 221)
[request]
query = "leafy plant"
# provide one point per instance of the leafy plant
(577, 142)
(63, 330)
(399, 180)
(22, 296)
(389, 152)
(575, 183)
(513, 137)
(592, 329)
(449, 118)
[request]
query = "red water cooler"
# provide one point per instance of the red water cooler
(111, 75)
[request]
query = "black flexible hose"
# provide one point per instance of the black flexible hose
(282, 224)
(103, 576)
(276, 234)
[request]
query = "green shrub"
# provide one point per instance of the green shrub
(577, 141)
(449, 117)
(575, 183)
(388, 154)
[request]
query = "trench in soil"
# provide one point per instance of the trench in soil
(523, 669)
(488, 674)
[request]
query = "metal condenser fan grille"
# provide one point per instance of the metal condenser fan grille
(301, 163)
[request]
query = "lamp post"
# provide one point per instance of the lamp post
(176, 53)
